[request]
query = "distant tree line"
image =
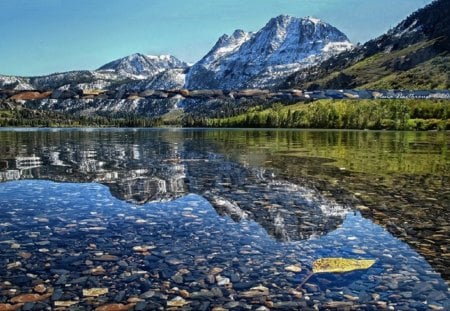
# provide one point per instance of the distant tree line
(35, 118)
(393, 114)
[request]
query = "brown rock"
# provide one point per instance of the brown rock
(338, 304)
(94, 292)
(30, 95)
(115, 307)
(29, 298)
(9, 307)
(143, 248)
(65, 304)
(106, 258)
(184, 92)
(177, 302)
(134, 300)
(184, 293)
(25, 255)
(98, 270)
(216, 270)
(40, 288)
(257, 291)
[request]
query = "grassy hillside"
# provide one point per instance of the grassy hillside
(414, 67)
(343, 114)
(413, 55)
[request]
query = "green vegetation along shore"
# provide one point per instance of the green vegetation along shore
(25, 117)
(392, 114)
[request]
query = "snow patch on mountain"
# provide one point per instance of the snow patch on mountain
(14, 83)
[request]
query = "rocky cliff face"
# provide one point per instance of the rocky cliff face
(259, 59)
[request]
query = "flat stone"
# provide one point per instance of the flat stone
(177, 302)
(95, 292)
(29, 298)
(115, 307)
(106, 258)
(256, 291)
(66, 303)
(10, 307)
(221, 281)
(293, 268)
(40, 288)
(25, 255)
(98, 271)
(338, 304)
(14, 265)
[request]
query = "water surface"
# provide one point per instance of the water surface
(224, 218)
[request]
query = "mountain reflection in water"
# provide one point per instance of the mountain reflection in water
(161, 165)
(78, 234)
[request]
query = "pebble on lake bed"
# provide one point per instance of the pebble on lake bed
(40, 288)
(256, 291)
(293, 268)
(10, 307)
(177, 302)
(115, 307)
(94, 292)
(65, 304)
(30, 298)
(143, 248)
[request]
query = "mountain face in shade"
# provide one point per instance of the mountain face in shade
(285, 45)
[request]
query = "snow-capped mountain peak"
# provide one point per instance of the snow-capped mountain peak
(285, 44)
(144, 66)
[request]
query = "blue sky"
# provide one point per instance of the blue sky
(45, 36)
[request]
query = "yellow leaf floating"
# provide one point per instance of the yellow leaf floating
(340, 265)
(337, 265)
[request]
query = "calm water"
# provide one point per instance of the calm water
(223, 218)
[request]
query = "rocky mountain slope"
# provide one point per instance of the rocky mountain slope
(412, 55)
(248, 60)
(143, 66)
(145, 71)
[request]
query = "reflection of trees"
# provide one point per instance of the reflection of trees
(402, 152)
